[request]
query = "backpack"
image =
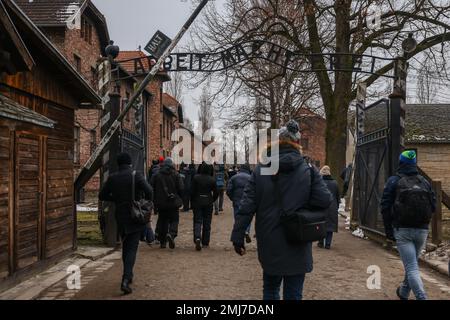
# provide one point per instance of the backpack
(220, 179)
(413, 201)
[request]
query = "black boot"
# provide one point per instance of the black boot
(198, 245)
(171, 241)
(125, 286)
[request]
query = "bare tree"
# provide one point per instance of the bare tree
(273, 93)
(175, 86)
(322, 26)
(205, 110)
(426, 85)
(188, 123)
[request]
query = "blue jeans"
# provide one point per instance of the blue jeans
(410, 242)
(235, 210)
(292, 287)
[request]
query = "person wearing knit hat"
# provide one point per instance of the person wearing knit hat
(294, 184)
(332, 212)
(406, 206)
(325, 171)
(290, 132)
(408, 157)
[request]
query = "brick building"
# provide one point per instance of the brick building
(313, 127)
(84, 47)
(196, 153)
(172, 117)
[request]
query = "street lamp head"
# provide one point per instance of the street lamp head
(409, 44)
(112, 51)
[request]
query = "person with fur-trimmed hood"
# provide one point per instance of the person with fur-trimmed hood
(280, 260)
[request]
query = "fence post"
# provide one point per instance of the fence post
(436, 222)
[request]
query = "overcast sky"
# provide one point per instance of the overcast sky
(133, 22)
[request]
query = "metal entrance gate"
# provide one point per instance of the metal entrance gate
(134, 146)
(376, 151)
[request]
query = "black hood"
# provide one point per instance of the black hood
(167, 169)
(407, 169)
(289, 158)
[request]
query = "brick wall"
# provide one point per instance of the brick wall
(88, 122)
(154, 121)
(313, 137)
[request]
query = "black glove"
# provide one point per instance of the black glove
(239, 248)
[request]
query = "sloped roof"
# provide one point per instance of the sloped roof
(126, 61)
(20, 58)
(12, 110)
(50, 12)
(427, 123)
(128, 55)
(56, 13)
(34, 38)
(170, 101)
(173, 105)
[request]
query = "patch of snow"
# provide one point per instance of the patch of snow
(86, 208)
(358, 233)
(418, 137)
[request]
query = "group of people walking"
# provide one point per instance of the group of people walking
(198, 189)
(407, 204)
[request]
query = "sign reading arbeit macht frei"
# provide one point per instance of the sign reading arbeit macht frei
(252, 50)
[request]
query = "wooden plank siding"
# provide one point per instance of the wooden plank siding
(43, 219)
(28, 199)
(5, 172)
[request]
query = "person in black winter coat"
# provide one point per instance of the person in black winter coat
(168, 189)
(203, 194)
(235, 190)
(346, 176)
(187, 172)
(333, 213)
(281, 260)
(153, 169)
(117, 189)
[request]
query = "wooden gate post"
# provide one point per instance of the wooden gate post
(436, 222)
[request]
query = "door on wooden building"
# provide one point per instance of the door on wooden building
(28, 213)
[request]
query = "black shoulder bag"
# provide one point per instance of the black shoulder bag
(303, 225)
(174, 199)
(142, 209)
